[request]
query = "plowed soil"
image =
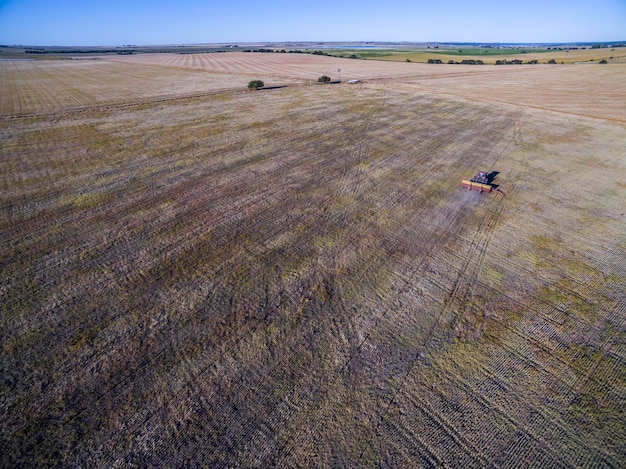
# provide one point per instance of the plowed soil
(197, 275)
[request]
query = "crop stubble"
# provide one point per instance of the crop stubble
(295, 277)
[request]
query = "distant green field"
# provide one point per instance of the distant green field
(412, 53)
(367, 53)
(473, 51)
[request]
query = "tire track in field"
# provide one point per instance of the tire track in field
(242, 336)
(464, 281)
(425, 203)
(287, 449)
(546, 325)
(493, 401)
(349, 241)
(169, 192)
(125, 105)
(229, 346)
(279, 366)
(478, 247)
(473, 278)
(527, 337)
(140, 204)
(122, 312)
(481, 240)
(434, 238)
(276, 368)
(188, 193)
(526, 423)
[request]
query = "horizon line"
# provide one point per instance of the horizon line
(321, 42)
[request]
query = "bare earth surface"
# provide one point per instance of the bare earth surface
(197, 275)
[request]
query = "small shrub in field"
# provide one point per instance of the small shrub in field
(323, 79)
(255, 85)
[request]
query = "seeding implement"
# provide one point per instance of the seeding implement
(480, 182)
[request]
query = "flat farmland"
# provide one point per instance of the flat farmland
(35, 87)
(613, 55)
(196, 275)
(586, 89)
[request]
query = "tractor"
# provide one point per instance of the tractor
(480, 182)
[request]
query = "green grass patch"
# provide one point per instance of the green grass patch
(485, 51)
(90, 200)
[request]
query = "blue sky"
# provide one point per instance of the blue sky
(114, 22)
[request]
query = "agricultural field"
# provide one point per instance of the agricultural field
(198, 275)
(613, 55)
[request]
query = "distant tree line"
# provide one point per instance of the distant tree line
(518, 62)
(295, 51)
(498, 62)
(593, 46)
(298, 51)
(78, 51)
(282, 51)
(462, 62)
(203, 52)
(606, 46)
